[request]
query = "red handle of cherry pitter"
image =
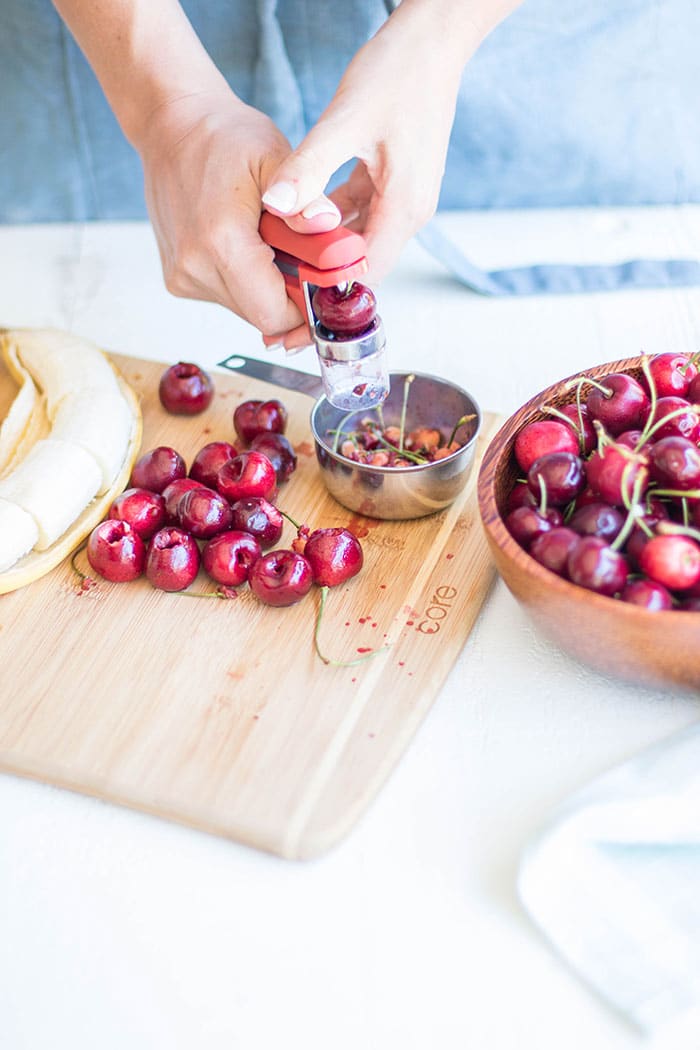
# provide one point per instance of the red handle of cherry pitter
(323, 259)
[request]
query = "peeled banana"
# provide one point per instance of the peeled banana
(67, 445)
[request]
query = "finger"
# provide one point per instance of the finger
(297, 339)
(346, 204)
(256, 290)
(318, 217)
(300, 180)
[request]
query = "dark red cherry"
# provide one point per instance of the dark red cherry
(173, 493)
(229, 556)
(156, 468)
(552, 549)
(597, 519)
(172, 559)
(348, 312)
(671, 560)
(541, 437)
(615, 471)
(335, 555)
(203, 512)
(280, 577)
(674, 463)
(254, 417)
(116, 551)
(248, 474)
(621, 404)
(279, 451)
(143, 509)
(648, 594)
(595, 565)
(259, 518)
(559, 476)
(582, 425)
(185, 389)
(674, 416)
(672, 374)
(209, 459)
(526, 523)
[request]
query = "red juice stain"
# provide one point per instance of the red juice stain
(304, 448)
(364, 649)
(360, 527)
(448, 556)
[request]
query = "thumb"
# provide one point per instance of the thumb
(296, 190)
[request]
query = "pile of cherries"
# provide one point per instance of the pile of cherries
(609, 492)
(220, 516)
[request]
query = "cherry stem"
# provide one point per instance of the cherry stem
(552, 410)
(317, 645)
(289, 518)
(406, 390)
(691, 362)
(685, 511)
(76, 552)
(458, 424)
(339, 430)
(678, 493)
(413, 456)
(580, 380)
(672, 528)
(223, 592)
(631, 504)
(649, 430)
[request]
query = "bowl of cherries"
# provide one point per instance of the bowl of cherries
(589, 496)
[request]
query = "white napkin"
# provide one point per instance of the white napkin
(614, 882)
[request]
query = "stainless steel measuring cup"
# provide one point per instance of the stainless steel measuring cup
(389, 493)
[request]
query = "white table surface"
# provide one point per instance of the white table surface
(119, 930)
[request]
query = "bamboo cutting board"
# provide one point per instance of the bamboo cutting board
(219, 713)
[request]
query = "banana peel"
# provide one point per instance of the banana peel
(28, 422)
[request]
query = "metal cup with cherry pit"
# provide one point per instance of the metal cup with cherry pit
(388, 493)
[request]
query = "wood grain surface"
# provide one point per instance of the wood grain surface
(219, 713)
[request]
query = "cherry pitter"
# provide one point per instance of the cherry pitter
(353, 365)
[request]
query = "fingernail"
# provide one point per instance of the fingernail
(274, 346)
(282, 197)
(320, 207)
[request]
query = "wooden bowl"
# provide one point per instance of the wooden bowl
(614, 637)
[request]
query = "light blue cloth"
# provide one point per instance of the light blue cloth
(564, 104)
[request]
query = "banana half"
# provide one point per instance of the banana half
(67, 446)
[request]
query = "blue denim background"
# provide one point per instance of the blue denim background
(564, 104)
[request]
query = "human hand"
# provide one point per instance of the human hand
(206, 158)
(393, 111)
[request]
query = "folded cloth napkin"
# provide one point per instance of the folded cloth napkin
(613, 881)
(558, 278)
